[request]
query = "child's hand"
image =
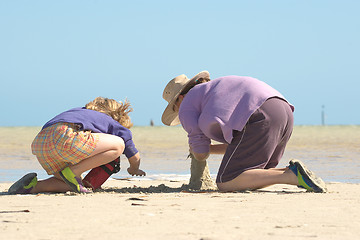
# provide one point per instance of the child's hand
(136, 172)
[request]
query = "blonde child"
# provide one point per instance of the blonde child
(78, 140)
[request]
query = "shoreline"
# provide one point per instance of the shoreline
(330, 152)
(276, 212)
(12, 175)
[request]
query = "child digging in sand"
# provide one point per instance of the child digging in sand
(253, 122)
(78, 140)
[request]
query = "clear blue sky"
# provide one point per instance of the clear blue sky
(55, 55)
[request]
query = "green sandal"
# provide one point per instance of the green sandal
(306, 178)
(74, 182)
(24, 185)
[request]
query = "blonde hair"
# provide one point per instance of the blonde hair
(117, 110)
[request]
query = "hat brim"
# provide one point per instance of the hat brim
(171, 117)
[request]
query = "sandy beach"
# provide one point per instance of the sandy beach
(131, 209)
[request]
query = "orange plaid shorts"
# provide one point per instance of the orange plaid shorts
(62, 145)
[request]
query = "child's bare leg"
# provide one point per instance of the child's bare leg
(53, 184)
(108, 148)
(259, 178)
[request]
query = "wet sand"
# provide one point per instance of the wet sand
(332, 152)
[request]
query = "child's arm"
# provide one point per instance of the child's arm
(134, 166)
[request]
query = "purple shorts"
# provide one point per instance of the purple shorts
(262, 142)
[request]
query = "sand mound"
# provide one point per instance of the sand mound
(200, 179)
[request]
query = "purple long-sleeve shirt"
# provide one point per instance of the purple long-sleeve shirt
(96, 122)
(214, 109)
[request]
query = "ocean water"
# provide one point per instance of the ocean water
(332, 152)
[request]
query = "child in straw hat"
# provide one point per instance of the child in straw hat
(78, 140)
(252, 120)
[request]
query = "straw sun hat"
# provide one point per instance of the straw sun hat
(172, 92)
